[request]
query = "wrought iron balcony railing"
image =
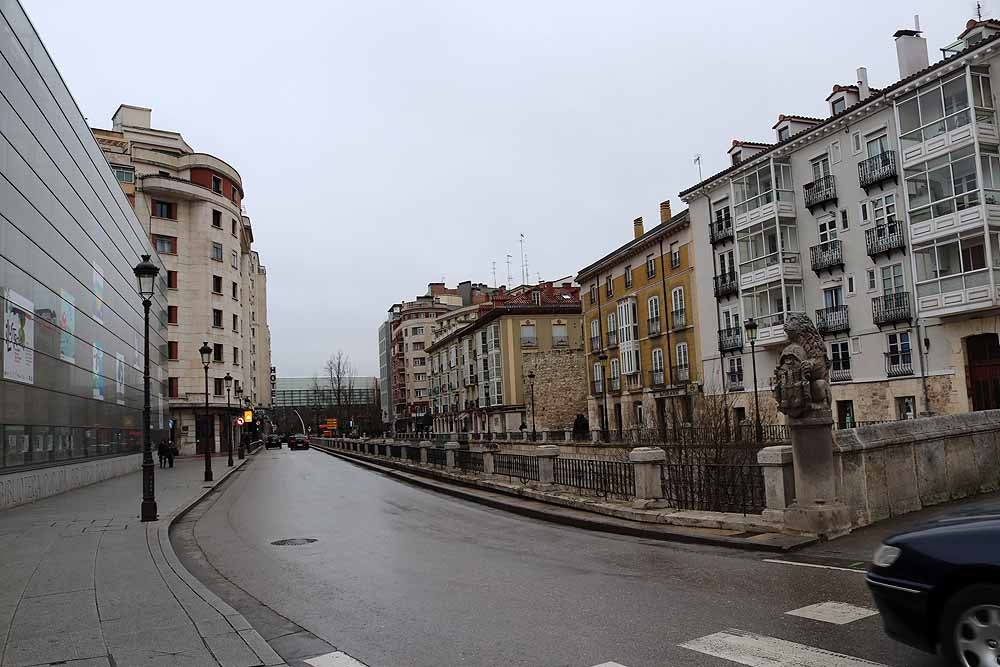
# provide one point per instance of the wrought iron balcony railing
(898, 364)
(876, 169)
(612, 338)
(653, 326)
(657, 377)
(734, 381)
(726, 284)
(720, 231)
(827, 256)
(841, 374)
(596, 387)
(832, 320)
(680, 318)
(730, 339)
(885, 239)
(681, 374)
(820, 191)
(891, 308)
(595, 343)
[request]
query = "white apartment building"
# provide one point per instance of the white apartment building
(190, 204)
(882, 223)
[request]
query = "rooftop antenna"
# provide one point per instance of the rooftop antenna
(697, 161)
(524, 265)
(979, 11)
(539, 276)
(494, 274)
(510, 278)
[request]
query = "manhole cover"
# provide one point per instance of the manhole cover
(293, 541)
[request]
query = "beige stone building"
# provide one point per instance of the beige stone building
(191, 204)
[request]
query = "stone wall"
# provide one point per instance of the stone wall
(18, 488)
(560, 388)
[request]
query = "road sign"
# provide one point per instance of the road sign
(239, 421)
(331, 423)
(248, 416)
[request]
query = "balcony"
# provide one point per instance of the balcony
(885, 239)
(878, 169)
(891, 308)
(560, 341)
(898, 364)
(612, 338)
(657, 378)
(680, 318)
(827, 256)
(529, 341)
(726, 284)
(734, 381)
(832, 320)
(681, 374)
(840, 374)
(653, 326)
(595, 343)
(596, 387)
(731, 339)
(615, 384)
(820, 192)
(720, 231)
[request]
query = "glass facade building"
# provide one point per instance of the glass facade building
(71, 384)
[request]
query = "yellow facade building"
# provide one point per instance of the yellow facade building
(643, 347)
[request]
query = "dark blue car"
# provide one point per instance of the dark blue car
(938, 586)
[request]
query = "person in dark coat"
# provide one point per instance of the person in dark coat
(161, 451)
(171, 453)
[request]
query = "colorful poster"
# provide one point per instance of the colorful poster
(120, 378)
(98, 368)
(67, 326)
(19, 338)
(98, 294)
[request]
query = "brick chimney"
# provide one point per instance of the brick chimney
(665, 214)
(637, 227)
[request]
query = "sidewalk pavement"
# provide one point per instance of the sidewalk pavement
(86, 584)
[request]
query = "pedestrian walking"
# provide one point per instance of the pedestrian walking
(161, 451)
(171, 453)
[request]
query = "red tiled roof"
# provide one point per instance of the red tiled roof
(803, 119)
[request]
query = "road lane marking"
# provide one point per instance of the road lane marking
(746, 648)
(816, 565)
(610, 664)
(335, 659)
(837, 613)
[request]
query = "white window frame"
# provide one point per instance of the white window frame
(856, 143)
(653, 307)
(683, 358)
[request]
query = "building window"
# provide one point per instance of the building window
(653, 310)
(856, 345)
(850, 285)
(217, 284)
(683, 362)
(173, 351)
(943, 185)
(165, 245)
(845, 414)
(610, 287)
(164, 209)
(235, 260)
(872, 280)
(934, 109)
(216, 184)
(840, 356)
(216, 318)
(757, 188)
(906, 407)
(899, 350)
(844, 222)
(528, 336)
(628, 277)
(236, 322)
(217, 252)
(560, 335)
(171, 314)
(124, 174)
(217, 219)
(233, 232)
(675, 255)
(680, 311)
(593, 294)
(173, 388)
(735, 373)
(856, 142)
(417, 331)
(217, 352)
(420, 361)
(783, 133)
(657, 360)
(236, 291)
(236, 356)
(418, 346)
(839, 105)
(171, 280)
(952, 264)
(650, 266)
(217, 386)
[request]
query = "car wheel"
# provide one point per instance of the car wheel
(970, 626)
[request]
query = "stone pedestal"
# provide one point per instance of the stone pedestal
(449, 454)
(488, 462)
(816, 508)
(404, 452)
(779, 480)
(546, 454)
(647, 463)
(424, 446)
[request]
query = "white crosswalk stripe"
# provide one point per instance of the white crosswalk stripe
(610, 664)
(335, 659)
(747, 648)
(838, 613)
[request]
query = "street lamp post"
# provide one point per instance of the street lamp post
(206, 359)
(146, 273)
(534, 434)
(751, 329)
(239, 402)
(229, 420)
(605, 425)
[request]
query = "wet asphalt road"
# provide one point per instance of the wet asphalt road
(402, 576)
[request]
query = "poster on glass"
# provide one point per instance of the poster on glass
(19, 338)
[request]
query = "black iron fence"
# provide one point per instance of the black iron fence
(436, 456)
(714, 487)
(413, 454)
(395, 451)
(610, 478)
(745, 432)
(516, 465)
(468, 461)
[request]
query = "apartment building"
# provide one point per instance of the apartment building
(641, 318)
(486, 363)
(190, 205)
(880, 221)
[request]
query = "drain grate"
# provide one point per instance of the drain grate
(293, 542)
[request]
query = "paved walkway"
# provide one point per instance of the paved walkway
(86, 584)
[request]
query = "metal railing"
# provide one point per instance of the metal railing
(832, 320)
(876, 169)
(468, 461)
(436, 457)
(898, 364)
(596, 387)
(560, 341)
(734, 381)
(826, 256)
(610, 478)
(681, 374)
(680, 318)
(726, 284)
(516, 465)
(616, 383)
(529, 341)
(720, 231)
(730, 339)
(653, 326)
(413, 454)
(395, 452)
(595, 343)
(714, 487)
(891, 308)
(840, 374)
(612, 338)
(820, 191)
(884, 239)
(657, 377)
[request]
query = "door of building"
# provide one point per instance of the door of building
(983, 370)
(205, 432)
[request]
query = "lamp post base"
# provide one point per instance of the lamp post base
(148, 511)
(208, 476)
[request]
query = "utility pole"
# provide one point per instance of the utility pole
(524, 264)
(510, 278)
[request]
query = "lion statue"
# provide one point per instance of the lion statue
(804, 357)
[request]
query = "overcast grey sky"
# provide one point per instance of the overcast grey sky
(384, 145)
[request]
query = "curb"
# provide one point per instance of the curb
(240, 625)
(577, 518)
